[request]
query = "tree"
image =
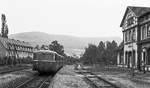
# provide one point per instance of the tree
(4, 29)
(37, 47)
(3, 18)
(43, 47)
(114, 52)
(89, 56)
(101, 53)
(111, 53)
(55, 46)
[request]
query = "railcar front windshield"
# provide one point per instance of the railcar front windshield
(44, 56)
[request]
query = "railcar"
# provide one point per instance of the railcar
(47, 61)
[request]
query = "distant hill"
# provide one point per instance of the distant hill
(71, 44)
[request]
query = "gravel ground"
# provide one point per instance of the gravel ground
(13, 79)
(67, 78)
(4, 80)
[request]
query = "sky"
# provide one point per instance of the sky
(83, 18)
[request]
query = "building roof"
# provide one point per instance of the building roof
(138, 11)
(6, 41)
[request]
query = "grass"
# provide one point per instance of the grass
(112, 70)
(140, 79)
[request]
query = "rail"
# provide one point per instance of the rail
(96, 81)
(36, 82)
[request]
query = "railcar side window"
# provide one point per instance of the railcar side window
(35, 56)
(55, 57)
(58, 58)
(50, 56)
(44, 56)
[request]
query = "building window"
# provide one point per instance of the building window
(143, 32)
(141, 19)
(130, 21)
(148, 57)
(145, 17)
(129, 35)
(134, 35)
(148, 16)
(125, 35)
(148, 31)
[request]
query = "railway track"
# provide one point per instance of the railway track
(96, 81)
(36, 82)
(13, 70)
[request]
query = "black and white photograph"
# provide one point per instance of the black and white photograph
(75, 44)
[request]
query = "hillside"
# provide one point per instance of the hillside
(71, 44)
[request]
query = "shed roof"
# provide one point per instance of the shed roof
(6, 41)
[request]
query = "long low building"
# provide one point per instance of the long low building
(15, 49)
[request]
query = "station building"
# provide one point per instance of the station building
(136, 38)
(14, 49)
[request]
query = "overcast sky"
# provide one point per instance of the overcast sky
(84, 18)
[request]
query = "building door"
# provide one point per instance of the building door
(129, 60)
(133, 58)
(144, 56)
(126, 59)
(148, 57)
(121, 58)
